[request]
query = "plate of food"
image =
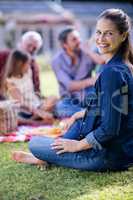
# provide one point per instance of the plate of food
(46, 131)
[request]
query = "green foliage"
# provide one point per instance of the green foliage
(44, 61)
(49, 84)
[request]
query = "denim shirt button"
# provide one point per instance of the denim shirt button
(80, 136)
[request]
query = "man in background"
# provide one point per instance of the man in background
(73, 68)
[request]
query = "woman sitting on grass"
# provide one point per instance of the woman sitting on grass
(104, 139)
(20, 87)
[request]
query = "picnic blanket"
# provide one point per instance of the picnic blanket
(24, 133)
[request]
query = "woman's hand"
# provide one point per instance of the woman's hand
(65, 145)
(66, 124)
(69, 122)
(68, 145)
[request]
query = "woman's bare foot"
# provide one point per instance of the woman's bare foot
(24, 157)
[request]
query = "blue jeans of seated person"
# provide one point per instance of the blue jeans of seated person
(67, 106)
(90, 160)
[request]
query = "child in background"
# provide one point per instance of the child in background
(20, 87)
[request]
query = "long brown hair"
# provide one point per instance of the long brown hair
(15, 58)
(123, 24)
(11, 69)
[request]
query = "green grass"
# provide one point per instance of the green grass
(22, 182)
(49, 83)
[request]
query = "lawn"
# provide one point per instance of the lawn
(25, 182)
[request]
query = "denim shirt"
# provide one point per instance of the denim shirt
(114, 90)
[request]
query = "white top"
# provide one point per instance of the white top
(25, 88)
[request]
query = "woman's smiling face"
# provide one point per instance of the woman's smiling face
(108, 38)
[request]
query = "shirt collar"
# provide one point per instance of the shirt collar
(117, 58)
(66, 57)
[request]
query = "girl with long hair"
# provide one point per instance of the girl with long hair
(20, 87)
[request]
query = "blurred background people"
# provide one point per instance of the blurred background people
(73, 68)
(30, 42)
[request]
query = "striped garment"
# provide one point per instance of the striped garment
(8, 116)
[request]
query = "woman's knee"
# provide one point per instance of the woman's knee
(38, 143)
(40, 147)
(32, 143)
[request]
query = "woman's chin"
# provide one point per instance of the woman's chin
(103, 51)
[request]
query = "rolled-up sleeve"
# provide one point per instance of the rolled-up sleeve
(111, 108)
(92, 140)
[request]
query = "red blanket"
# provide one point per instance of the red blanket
(24, 133)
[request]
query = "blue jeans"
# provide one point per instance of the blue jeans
(67, 106)
(90, 160)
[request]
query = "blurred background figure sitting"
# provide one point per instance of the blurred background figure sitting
(8, 109)
(20, 87)
(30, 43)
(73, 69)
